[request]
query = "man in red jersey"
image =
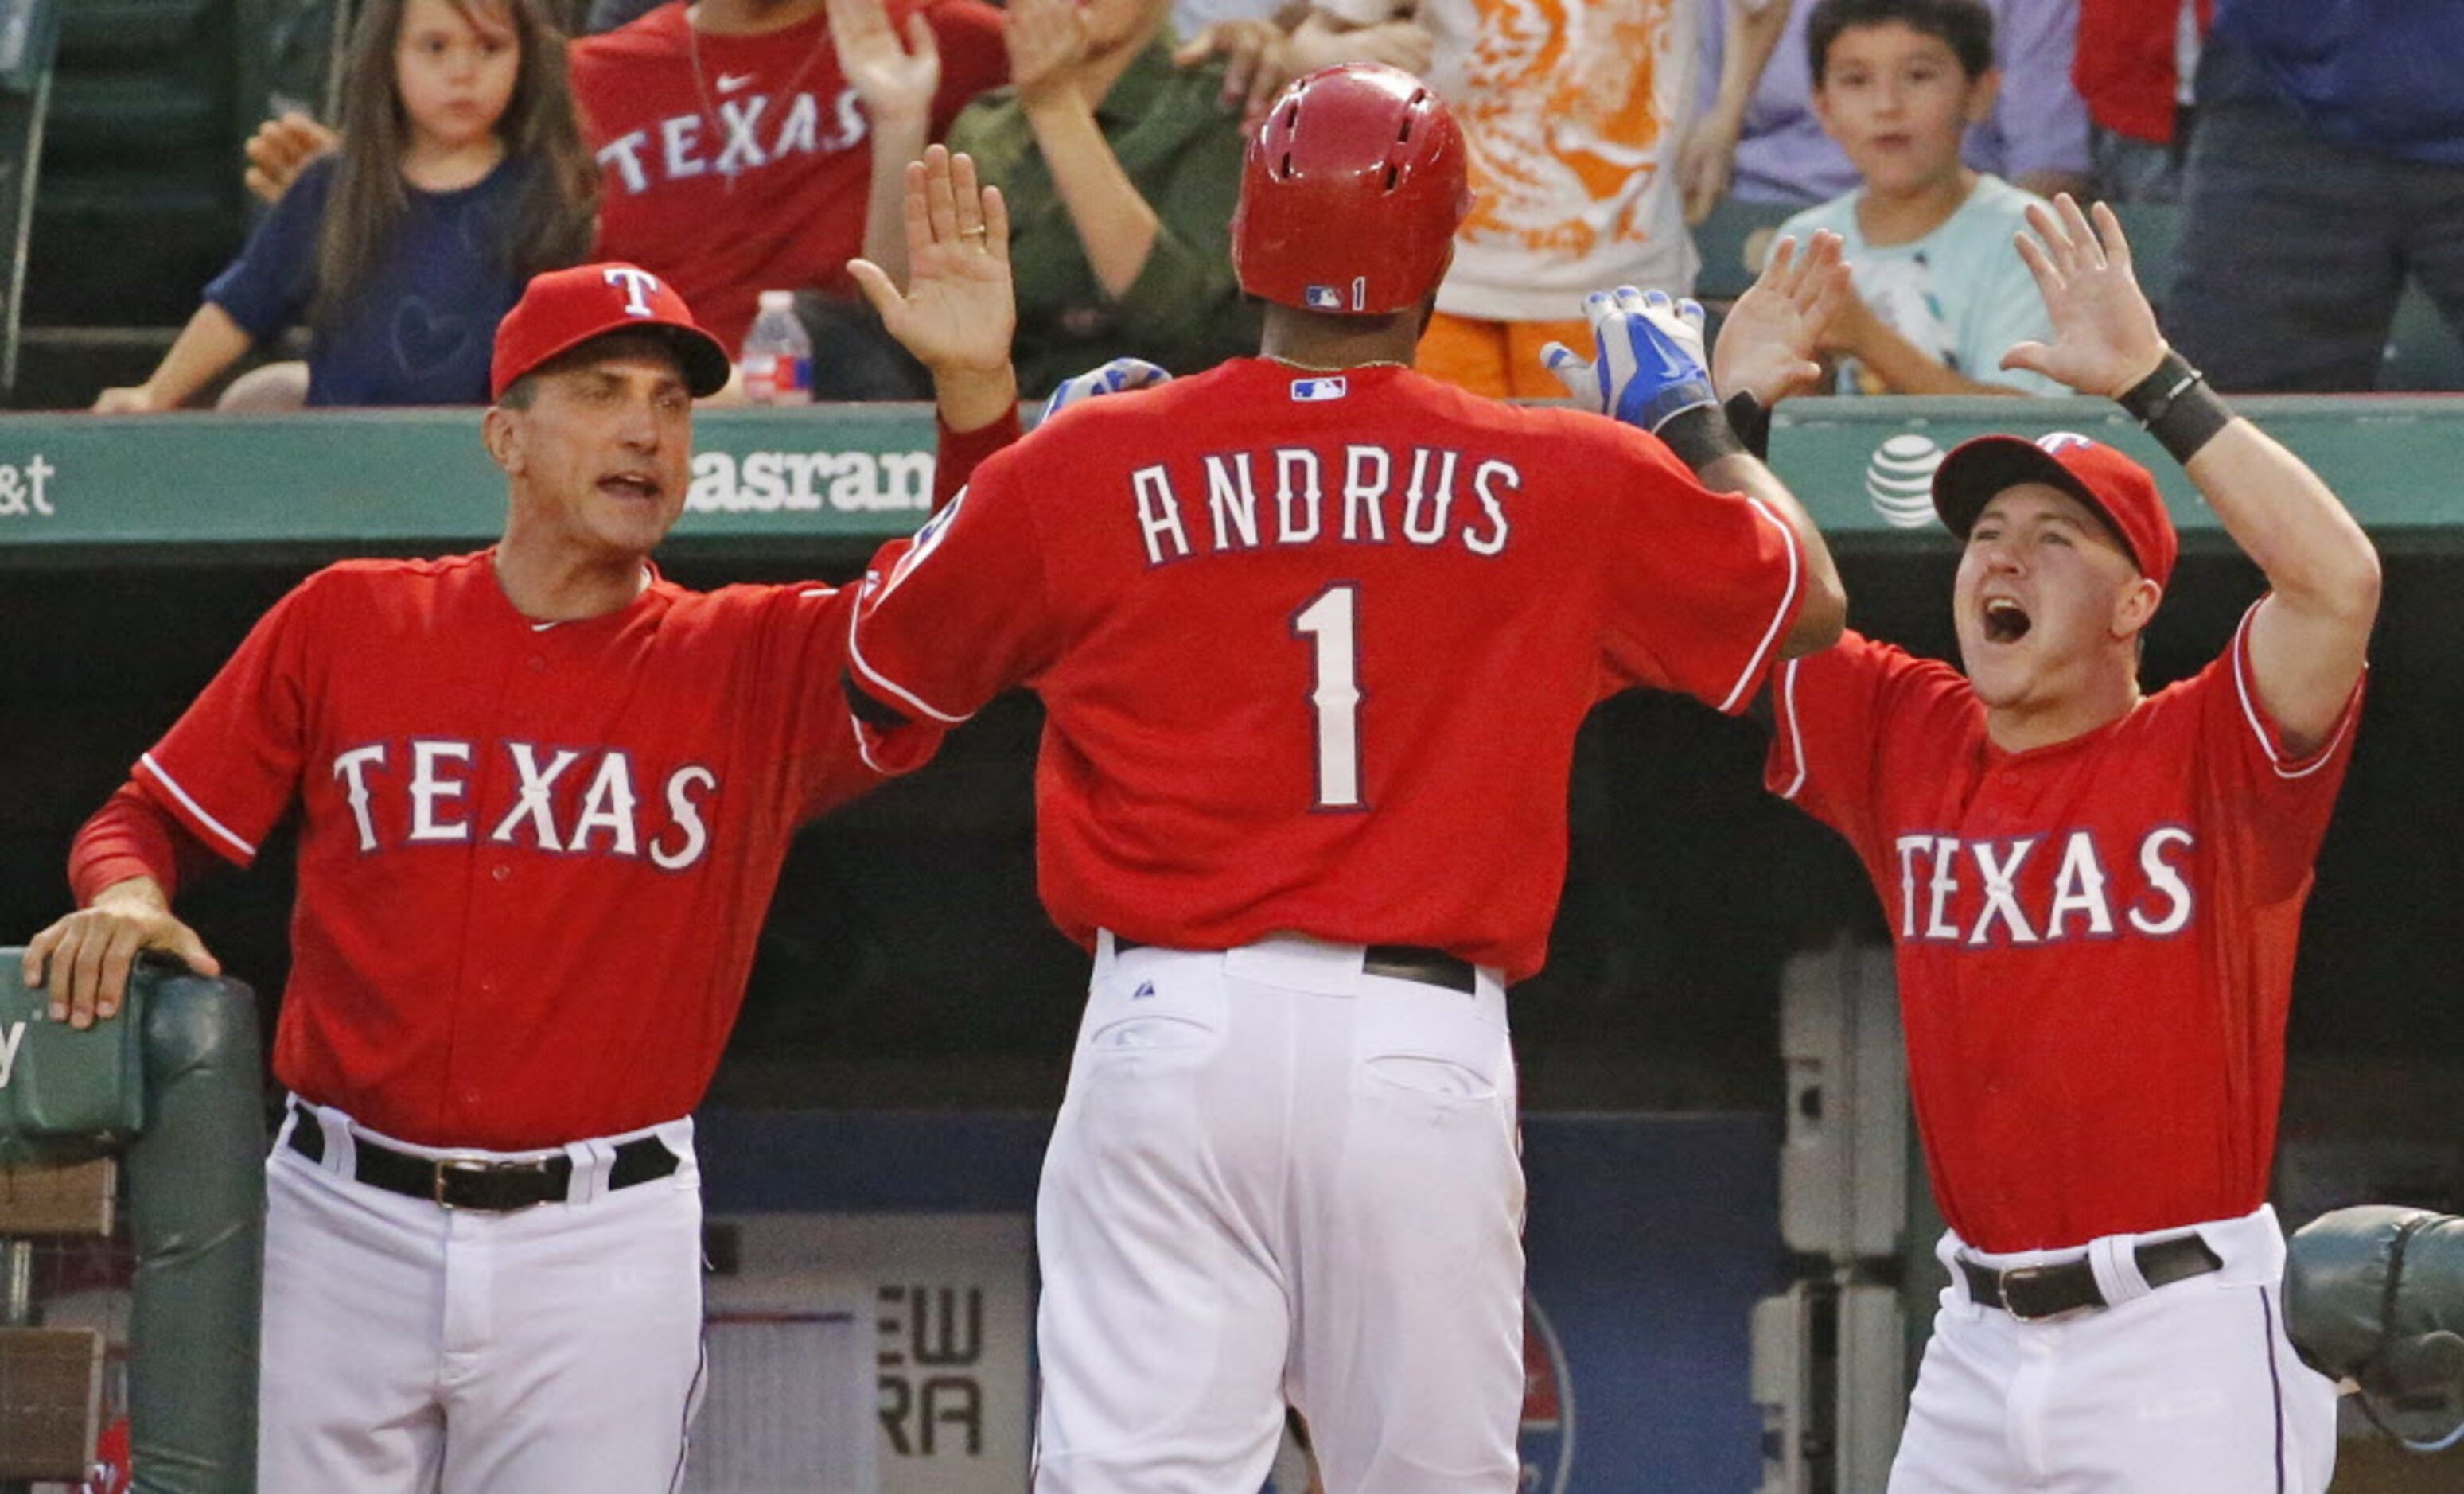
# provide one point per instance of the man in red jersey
(743, 143)
(544, 798)
(1314, 636)
(2095, 896)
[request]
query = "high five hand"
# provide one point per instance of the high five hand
(1651, 363)
(2104, 332)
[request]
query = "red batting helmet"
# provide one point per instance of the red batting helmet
(1351, 194)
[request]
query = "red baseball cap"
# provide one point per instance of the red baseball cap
(563, 309)
(2117, 489)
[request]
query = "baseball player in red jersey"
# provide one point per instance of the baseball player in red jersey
(545, 797)
(1313, 635)
(2095, 896)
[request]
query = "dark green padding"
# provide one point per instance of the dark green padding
(184, 1104)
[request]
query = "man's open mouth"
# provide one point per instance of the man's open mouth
(2006, 622)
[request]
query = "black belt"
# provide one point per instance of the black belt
(485, 1184)
(1394, 962)
(2031, 1292)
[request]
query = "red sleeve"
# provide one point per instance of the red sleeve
(973, 57)
(2253, 780)
(963, 610)
(1702, 585)
(959, 451)
(228, 767)
(130, 836)
(1831, 713)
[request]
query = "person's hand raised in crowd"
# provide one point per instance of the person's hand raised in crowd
(895, 81)
(280, 148)
(1769, 340)
(1258, 62)
(2104, 332)
(1047, 41)
(1705, 161)
(958, 312)
(1400, 43)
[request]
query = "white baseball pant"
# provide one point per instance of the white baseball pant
(1277, 1177)
(412, 1349)
(2190, 1388)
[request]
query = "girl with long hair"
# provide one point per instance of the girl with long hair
(461, 174)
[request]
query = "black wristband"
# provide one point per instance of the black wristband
(1752, 420)
(1699, 435)
(2175, 405)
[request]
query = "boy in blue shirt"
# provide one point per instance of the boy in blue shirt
(1940, 293)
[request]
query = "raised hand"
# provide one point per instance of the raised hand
(959, 312)
(895, 82)
(2104, 332)
(1651, 363)
(1117, 377)
(1769, 340)
(1046, 40)
(1258, 61)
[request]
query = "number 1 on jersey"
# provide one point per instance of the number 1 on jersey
(1330, 623)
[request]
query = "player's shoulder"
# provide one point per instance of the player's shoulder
(372, 578)
(1901, 683)
(1839, 215)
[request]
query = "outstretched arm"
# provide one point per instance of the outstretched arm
(2310, 638)
(896, 84)
(958, 312)
(1651, 373)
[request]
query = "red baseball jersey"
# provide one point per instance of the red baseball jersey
(734, 164)
(2095, 940)
(1313, 648)
(533, 858)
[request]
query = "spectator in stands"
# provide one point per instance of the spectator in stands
(759, 145)
(2036, 136)
(2133, 71)
(1121, 172)
(1575, 115)
(747, 145)
(1938, 294)
(2327, 169)
(464, 176)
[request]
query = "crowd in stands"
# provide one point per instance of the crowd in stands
(2315, 159)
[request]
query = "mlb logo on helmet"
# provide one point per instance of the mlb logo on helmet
(1323, 297)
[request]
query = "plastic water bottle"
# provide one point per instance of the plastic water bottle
(777, 356)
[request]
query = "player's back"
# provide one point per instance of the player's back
(1314, 647)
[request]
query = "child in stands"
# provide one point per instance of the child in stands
(463, 174)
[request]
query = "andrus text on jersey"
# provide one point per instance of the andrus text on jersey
(1231, 501)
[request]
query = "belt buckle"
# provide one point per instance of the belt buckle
(2020, 1276)
(447, 1167)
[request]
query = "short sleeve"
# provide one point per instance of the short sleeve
(799, 659)
(1699, 587)
(230, 766)
(961, 611)
(974, 58)
(1830, 715)
(2252, 778)
(268, 288)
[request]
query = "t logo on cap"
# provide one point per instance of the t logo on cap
(640, 285)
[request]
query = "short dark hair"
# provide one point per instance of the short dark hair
(1966, 25)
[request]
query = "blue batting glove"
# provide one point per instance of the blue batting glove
(1651, 363)
(1114, 378)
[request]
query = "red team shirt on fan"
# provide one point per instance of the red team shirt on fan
(2094, 939)
(749, 171)
(533, 858)
(1312, 650)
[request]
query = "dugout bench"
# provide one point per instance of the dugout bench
(169, 1092)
